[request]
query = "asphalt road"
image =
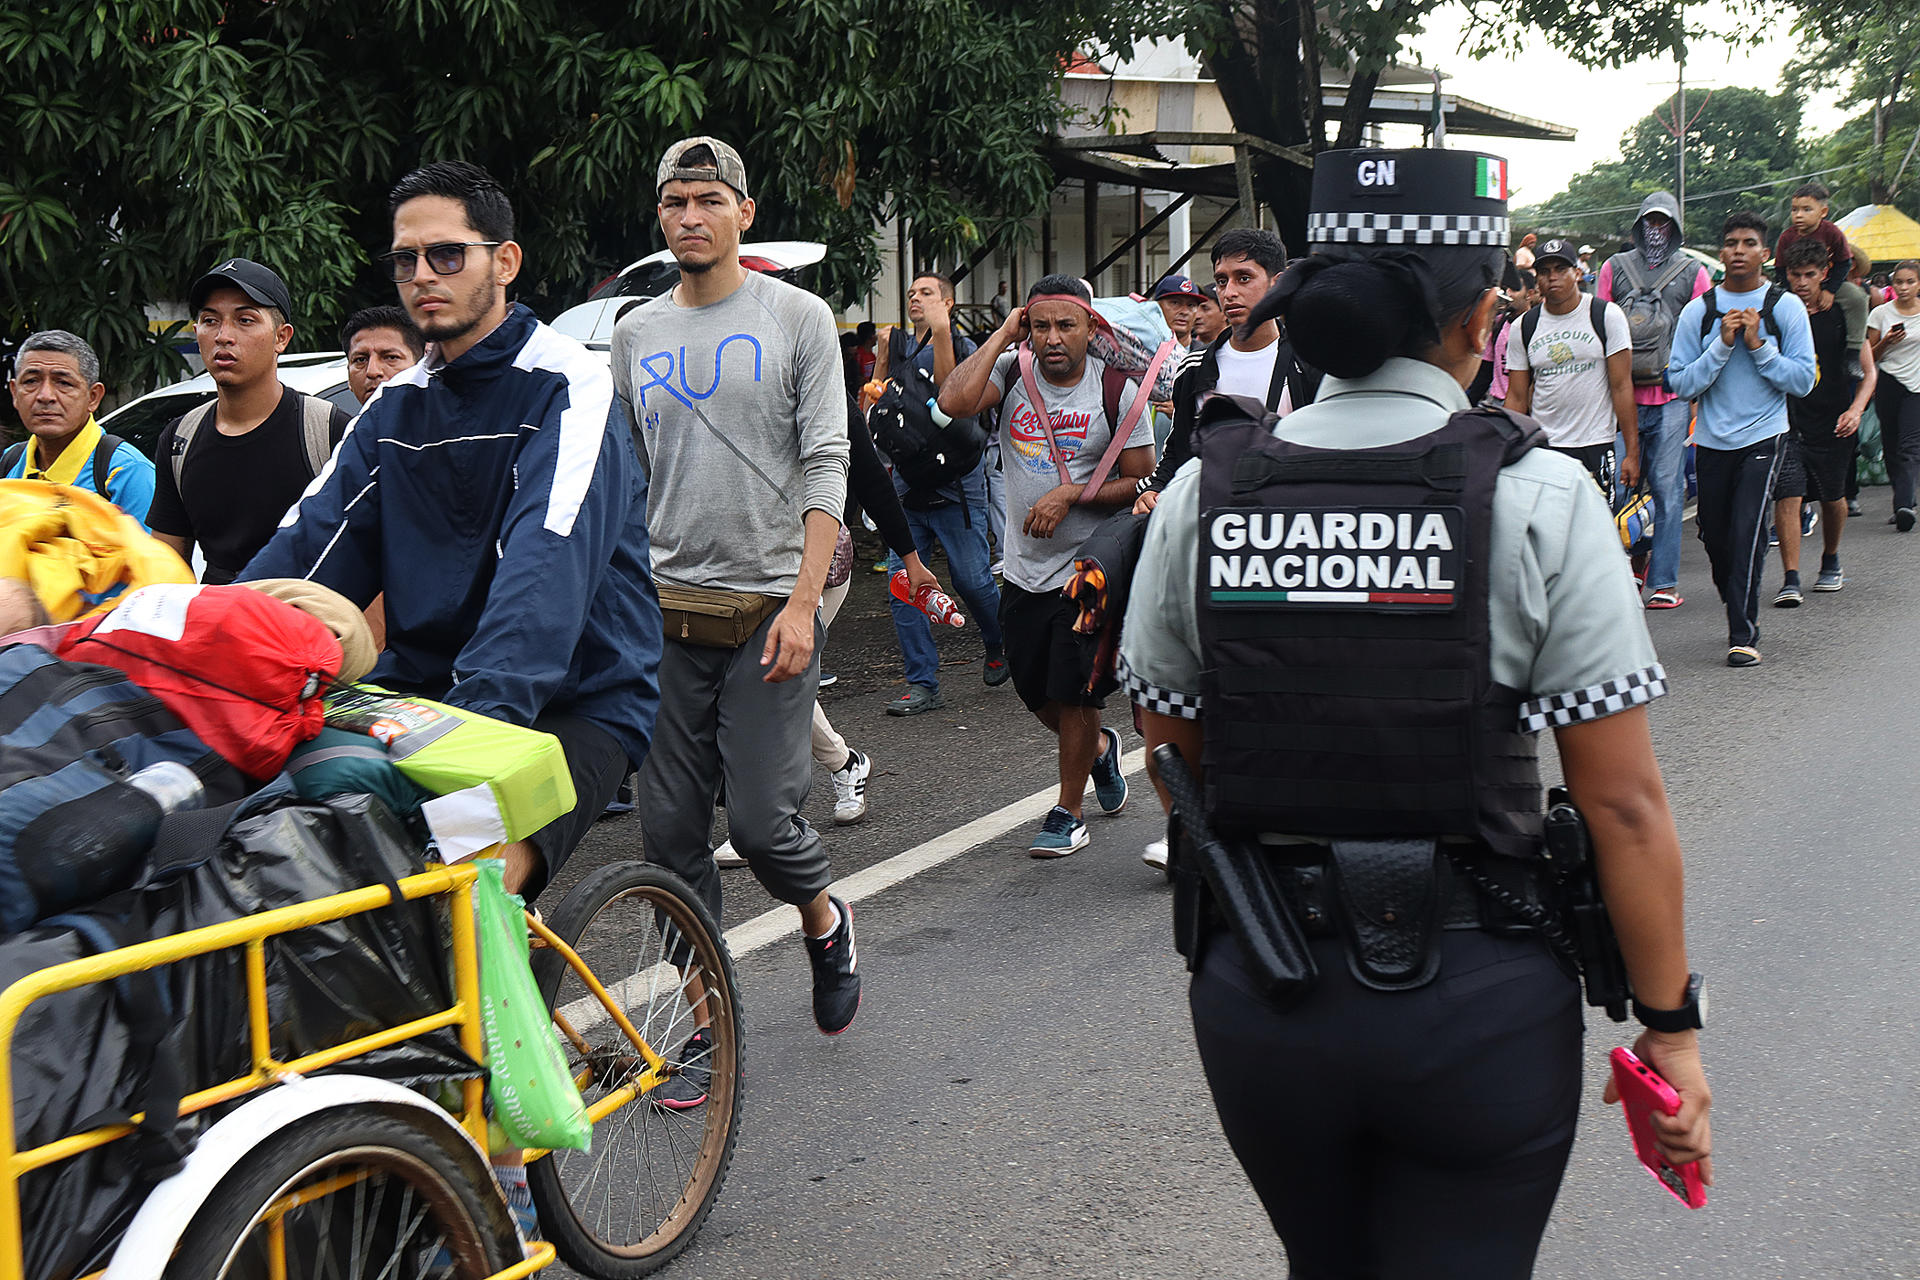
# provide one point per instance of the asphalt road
(1020, 1094)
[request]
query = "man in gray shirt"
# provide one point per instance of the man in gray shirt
(1063, 411)
(733, 381)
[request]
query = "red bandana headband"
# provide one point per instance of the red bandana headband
(1099, 321)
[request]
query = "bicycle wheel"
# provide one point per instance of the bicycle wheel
(360, 1193)
(633, 1201)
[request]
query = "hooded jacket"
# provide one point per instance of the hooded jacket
(498, 502)
(1610, 285)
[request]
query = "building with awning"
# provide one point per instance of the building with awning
(1138, 196)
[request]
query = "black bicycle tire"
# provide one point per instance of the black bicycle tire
(578, 1247)
(229, 1212)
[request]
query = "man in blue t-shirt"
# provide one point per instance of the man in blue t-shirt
(1740, 351)
(955, 514)
(56, 388)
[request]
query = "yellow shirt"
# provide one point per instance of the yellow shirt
(66, 467)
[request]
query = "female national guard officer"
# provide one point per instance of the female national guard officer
(1358, 619)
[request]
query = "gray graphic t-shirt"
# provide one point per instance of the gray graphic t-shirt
(762, 367)
(1081, 432)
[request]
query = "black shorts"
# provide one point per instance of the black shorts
(1049, 661)
(1827, 465)
(598, 765)
(1598, 460)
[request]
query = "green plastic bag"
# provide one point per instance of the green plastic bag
(534, 1098)
(1872, 457)
(492, 781)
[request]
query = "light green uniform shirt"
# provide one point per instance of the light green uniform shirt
(1565, 618)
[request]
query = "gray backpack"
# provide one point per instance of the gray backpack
(316, 430)
(1648, 319)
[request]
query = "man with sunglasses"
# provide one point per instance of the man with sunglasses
(493, 494)
(228, 470)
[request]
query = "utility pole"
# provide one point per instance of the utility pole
(1680, 139)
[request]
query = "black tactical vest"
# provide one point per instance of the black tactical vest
(1344, 636)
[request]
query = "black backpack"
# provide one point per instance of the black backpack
(1712, 314)
(1596, 316)
(925, 454)
(102, 459)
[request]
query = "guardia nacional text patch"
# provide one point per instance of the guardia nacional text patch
(1381, 559)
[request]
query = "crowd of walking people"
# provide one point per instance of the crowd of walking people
(591, 546)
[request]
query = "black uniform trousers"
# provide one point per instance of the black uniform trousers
(1412, 1135)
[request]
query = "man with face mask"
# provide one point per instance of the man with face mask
(1651, 283)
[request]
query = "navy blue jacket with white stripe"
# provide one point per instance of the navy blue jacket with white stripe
(498, 502)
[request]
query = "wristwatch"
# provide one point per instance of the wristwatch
(1690, 1016)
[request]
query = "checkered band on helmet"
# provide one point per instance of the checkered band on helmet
(1407, 228)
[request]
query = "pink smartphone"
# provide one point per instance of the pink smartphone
(1642, 1092)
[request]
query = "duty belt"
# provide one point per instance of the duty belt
(1372, 895)
(1308, 889)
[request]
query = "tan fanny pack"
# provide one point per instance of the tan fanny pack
(715, 619)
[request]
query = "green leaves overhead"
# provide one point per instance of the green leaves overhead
(150, 137)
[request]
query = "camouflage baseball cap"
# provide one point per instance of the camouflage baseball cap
(728, 166)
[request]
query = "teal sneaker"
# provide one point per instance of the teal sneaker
(1109, 784)
(1060, 835)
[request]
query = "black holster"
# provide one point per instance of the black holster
(1230, 881)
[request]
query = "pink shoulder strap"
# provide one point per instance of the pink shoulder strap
(1122, 431)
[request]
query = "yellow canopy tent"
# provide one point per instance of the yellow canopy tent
(1885, 233)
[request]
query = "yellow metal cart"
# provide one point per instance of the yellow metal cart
(344, 1175)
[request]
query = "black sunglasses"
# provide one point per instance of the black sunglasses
(448, 259)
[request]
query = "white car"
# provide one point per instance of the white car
(315, 373)
(592, 321)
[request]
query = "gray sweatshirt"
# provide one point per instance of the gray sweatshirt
(763, 366)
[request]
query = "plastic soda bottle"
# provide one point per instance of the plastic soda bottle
(936, 604)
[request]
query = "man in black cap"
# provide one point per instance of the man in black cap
(229, 470)
(1179, 298)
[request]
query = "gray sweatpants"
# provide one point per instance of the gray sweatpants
(719, 720)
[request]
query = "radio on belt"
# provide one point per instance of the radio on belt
(1388, 559)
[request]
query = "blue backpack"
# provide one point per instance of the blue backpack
(72, 830)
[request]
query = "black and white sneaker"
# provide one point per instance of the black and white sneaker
(687, 1087)
(836, 977)
(850, 788)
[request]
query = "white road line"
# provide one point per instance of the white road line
(750, 935)
(770, 927)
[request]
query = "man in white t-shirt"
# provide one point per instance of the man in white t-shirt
(1571, 367)
(1252, 361)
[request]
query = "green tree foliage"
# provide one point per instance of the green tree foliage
(1869, 50)
(150, 138)
(1741, 145)
(1268, 54)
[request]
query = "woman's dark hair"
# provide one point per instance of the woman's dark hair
(1071, 285)
(1350, 308)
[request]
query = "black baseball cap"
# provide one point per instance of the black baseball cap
(249, 277)
(1556, 248)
